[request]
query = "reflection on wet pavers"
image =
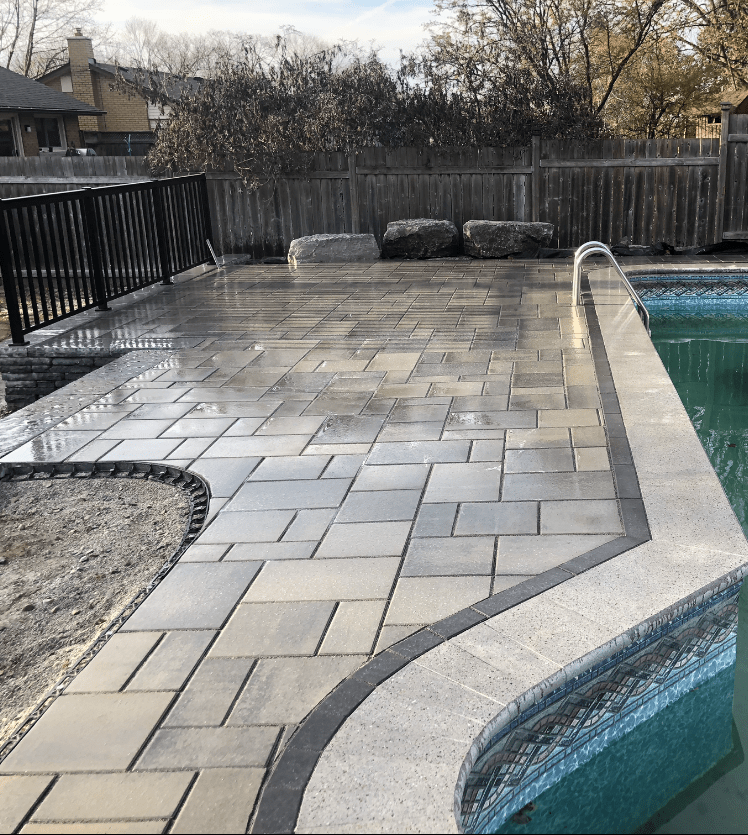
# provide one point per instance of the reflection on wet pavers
(385, 445)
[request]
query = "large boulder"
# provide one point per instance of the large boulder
(501, 238)
(420, 238)
(333, 249)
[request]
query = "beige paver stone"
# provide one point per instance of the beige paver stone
(583, 436)
(172, 661)
(392, 634)
(82, 732)
(274, 629)
(113, 796)
(385, 361)
(580, 517)
(353, 628)
(427, 599)
(115, 663)
(221, 801)
(548, 418)
(208, 748)
(210, 693)
(338, 579)
(535, 554)
(17, 795)
(282, 691)
(538, 460)
(591, 458)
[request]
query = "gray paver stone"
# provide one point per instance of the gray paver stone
(282, 691)
(18, 794)
(173, 660)
(208, 748)
(194, 596)
(115, 663)
(274, 629)
(111, 796)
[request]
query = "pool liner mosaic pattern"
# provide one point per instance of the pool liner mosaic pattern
(689, 286)
(578, 720)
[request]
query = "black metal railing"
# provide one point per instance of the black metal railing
(69, 251)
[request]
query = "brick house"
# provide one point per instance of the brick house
(127, 122)
(35, 119)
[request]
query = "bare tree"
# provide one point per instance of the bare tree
(561, 42)
(718, 31)
(33, 32)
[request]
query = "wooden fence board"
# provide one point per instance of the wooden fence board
(642, 190)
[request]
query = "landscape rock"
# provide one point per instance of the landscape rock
(333, 249)
(502, 238)
(420, 238)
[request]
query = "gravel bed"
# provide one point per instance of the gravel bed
(73, 553)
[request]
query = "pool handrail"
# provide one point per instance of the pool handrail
(598, 248)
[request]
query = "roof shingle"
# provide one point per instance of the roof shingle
(20, 93)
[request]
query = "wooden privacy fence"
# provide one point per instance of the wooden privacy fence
(67, 252)
(683, 192)
(638, 191)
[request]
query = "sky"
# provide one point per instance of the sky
(392, 25)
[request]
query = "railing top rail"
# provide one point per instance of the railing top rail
(599, 248)
(79, 193)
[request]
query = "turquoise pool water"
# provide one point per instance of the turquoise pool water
(683, 770)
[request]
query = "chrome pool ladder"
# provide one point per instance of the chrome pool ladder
(597, 248)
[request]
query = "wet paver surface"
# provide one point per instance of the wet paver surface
(385, 445)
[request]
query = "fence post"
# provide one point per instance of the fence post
(353, 186)
(535, 216)
(208, 230)
(719, 221)
(161, 235)
(9, 285)
(91, 224)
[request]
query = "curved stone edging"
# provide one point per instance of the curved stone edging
(199, 494)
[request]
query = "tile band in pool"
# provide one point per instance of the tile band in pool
(689, 286)
(578, 720)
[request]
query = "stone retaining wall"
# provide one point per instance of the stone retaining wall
(30, 372)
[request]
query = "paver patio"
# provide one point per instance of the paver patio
(385, 445)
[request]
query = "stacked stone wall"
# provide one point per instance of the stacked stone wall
(34, 371)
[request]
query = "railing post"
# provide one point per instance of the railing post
(353, 188)
(535, 215)
(208, 230)
(9, 285)
(91, 224)
(161, 234)
(719, 220)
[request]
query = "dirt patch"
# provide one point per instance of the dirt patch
(73, 553)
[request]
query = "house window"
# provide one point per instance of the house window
(7, 139)
(48, 132)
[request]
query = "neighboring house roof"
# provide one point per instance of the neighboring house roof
(145, 79)
(714, 107)
(19, 93)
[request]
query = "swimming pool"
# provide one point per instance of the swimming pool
(700, 329)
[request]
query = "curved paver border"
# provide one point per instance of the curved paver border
(199, 495)
(280, 801)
